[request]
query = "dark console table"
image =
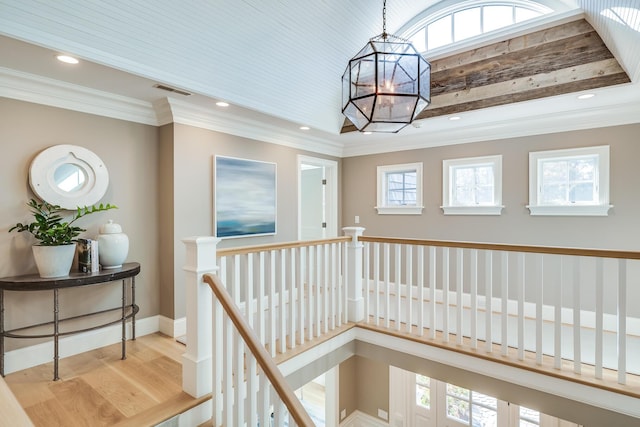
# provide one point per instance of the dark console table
(34, 282)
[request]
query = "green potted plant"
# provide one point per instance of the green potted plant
(56, 247)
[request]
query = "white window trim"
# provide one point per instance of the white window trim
(382, 207)
(599, 209)
(495, 209)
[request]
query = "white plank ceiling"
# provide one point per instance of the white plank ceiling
(278, 62)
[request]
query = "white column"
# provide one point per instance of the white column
(197, 360)
(355, 300)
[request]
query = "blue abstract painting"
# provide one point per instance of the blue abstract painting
(245, 197)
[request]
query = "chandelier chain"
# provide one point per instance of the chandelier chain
(384, 18)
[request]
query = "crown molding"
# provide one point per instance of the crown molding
(226, 122)
(510, 127)
(42, 90)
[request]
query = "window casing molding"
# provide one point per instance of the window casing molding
(384, 206)
(598, 206)
(449, 204)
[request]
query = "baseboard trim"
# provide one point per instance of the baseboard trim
(360, 419)
(28, 357)
(173, 327)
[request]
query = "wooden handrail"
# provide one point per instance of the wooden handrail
(296, 410)
(602, 253)
(277, 246)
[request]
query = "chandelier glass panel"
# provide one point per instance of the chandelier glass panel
(386, 85)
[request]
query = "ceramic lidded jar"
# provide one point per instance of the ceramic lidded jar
(113, 245)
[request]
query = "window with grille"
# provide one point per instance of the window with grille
(569, 182)
(400, 189)
(472, 186)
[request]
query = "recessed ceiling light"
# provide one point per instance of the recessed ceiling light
(587, 96)
(222, 104)
(453, 118)
(304, 128)
(67, 59)
(367, 133)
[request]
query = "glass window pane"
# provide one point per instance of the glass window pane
(439, 33)
(484, 400)
(458, 409)
(424, 380)
(423, 396)
(523, 14)
(466, 23)
(419, 41)
(484, 417)
(454, 390)
(530, 415)
(495, 17)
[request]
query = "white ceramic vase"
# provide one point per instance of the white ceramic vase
(113, 245)
(54, 261)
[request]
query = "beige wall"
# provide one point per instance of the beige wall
(130, 152)
(193, 153)
(617, 231)
(364, 386)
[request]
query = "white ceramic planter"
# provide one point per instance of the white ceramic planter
(54, 261)
(113, 245)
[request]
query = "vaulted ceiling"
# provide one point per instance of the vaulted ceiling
(279, 64)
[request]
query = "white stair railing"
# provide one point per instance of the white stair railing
(523, 298)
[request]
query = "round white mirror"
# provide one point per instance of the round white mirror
(69, 176)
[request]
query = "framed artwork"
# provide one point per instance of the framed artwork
(245, 197)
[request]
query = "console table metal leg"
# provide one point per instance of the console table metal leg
(124, 319)
(55, 335)
(2, 332)
(133, 305)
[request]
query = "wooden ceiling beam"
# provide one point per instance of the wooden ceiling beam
(564, 59)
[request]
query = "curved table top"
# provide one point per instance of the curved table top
(33, 282)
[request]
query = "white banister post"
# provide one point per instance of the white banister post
(197, 360)
(355, 300)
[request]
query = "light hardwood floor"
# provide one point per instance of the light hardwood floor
(97, 388)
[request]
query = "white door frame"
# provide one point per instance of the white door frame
(331, 192)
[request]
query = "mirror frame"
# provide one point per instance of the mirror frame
(44, 165)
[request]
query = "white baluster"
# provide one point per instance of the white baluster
(398, 282)
(367, 281)
(488, 298)
(333, 285)
(310, 292)
(250, 284)
(376, 278)
(504, 282)
(445, 294)
(387, 285)
(473, 271)
(272, 303)
(577, 327)
(218, 379)
(252, 387)
(282, 306)
(459, 293)
(227, 355)
(264, 412)
(421, 302)
(557, 318)
(318, 299)
(325, 281)
(302, 296)
(293, 298)
(432, 292)
(622, 321)
(521, 286)
(261, 294)
(599, 316)
(539, 306)
(409, 286)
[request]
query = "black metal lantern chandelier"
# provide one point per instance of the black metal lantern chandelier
(386, 85)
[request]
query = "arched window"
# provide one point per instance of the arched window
(469, 19)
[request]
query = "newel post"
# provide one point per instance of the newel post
(355, 300)
(197, 360)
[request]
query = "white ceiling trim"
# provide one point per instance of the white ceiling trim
(42, 90)
(234, 124)
(601, 116)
